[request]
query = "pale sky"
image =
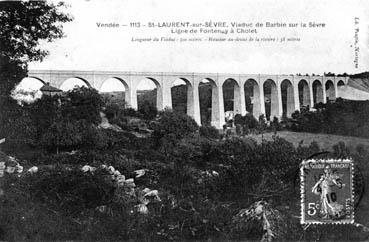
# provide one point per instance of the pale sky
(87, 47)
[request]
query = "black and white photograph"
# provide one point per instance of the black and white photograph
(173, 120)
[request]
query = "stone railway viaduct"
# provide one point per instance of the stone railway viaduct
(298, 90)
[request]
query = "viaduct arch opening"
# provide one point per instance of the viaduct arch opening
(30, 83)
(116, 90)
(181, 91)
(304, 93)
(252, 97)
(208, 94)
(340, 87)
(288, 100)
(340, 83)
(231, 98)
(330, 90)
(148, 94)
(73, 82)
(317, 92)
(271, 99)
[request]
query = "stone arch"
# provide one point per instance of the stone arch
(181, 88)
(330, 90)
(340, 88)
(70, 83)
(271, 99)
(304, 93)
(149, 91)
(231, 97)
(317, 92)
(111, 90)
(118, 79)
(37, 78)
(209, 101)
(252, 97)
(31, 83)
(288, 99)
(340, 83)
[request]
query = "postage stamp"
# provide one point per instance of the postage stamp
(327, 191)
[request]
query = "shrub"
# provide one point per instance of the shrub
(71, 190)
(61, 135)
(248, 168)
(70, 135)
(173, 126)
(119, 114)
(275, 125)
(238, 129)
(262, 124)
(132, 113)
(148, 110)
(112, 110)
(209, 132)
(73, 203)
(251, 121)
(248, 122)
(19, 131)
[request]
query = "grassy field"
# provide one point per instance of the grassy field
(325, 141)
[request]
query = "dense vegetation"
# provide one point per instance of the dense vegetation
(55, 123)
(180, 182)
(342, 117)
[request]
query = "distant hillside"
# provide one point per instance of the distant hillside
(357, 87)
(353, 93)
(359, 83)
(360, 75)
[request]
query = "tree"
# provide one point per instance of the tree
(44, 112)
(172, 126)
(247, 122)
(251, 121)
(17, 126)
(11, 72)
(23, 26)
(83, 103)
(61, 135)
(275, 125)
(55, 123)
(65, 135)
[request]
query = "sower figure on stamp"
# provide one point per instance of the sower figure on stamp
(329, 207)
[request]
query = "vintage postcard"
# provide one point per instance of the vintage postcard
(184, 120)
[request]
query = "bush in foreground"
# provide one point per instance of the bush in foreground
(171, 127)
